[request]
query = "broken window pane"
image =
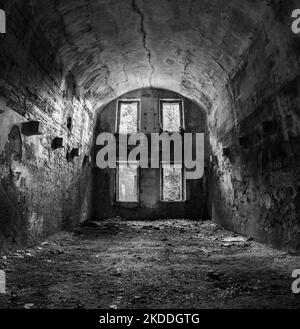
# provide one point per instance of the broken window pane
(171, 116)
(127, 183)
(172, 187)
(128, 117)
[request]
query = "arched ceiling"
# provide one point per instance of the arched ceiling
(114, 46)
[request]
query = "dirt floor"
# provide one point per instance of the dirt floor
(164, 264)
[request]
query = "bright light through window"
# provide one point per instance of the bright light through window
(171, 116)
(128, 117)
(127, 182)
(172, 183)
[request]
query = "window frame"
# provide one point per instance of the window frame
(181, 108)
(183, 182)
(137, 183)
(118, 109)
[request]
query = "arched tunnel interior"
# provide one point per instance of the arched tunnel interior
(66, 69)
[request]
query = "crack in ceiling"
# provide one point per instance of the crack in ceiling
(111, 46)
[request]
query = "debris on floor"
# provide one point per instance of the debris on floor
(173, 263)
(214, 275)
(235, 239)
(28, 306)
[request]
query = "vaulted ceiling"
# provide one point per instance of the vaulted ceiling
(114, 46)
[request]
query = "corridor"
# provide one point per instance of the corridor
(119, 116)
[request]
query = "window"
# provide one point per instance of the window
(128, 116)
(171, 115)
(127, 182)
(172, 183)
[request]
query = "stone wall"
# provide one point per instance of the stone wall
(150, 206)
(41, 189)
(257, 122)
(58, 57)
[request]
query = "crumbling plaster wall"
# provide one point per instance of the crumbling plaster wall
(257, 186)
(150, 206)
(40, 190)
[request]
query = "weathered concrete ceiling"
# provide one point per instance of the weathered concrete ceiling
(114, 46)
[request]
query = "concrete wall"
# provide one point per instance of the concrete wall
(257, 188)
(150, 206)
(40, 190)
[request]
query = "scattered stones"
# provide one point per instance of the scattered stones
(57, 251)
(235, 239)
(185, 276)
(28, 306)
(214, 275)
(117, 274)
